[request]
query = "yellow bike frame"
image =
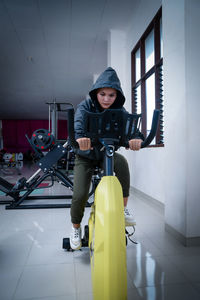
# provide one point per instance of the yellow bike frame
(107, 242)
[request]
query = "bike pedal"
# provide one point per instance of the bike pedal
(66, 245)
(84, 242)
(129, 235)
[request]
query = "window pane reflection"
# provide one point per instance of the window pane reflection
(137, 65)
(161, 39)
(150, 101)
(138, 95)
(149, 51)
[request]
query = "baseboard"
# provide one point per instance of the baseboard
(159, 206)
(186, 241)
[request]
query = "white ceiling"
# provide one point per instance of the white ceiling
(50, 49)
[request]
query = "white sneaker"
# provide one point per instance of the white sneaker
(75, 238)
(129, 219)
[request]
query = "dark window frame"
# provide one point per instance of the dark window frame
(157, 69)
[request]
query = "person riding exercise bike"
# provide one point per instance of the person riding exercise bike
(106, 93)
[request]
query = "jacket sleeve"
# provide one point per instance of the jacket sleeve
(79, 119)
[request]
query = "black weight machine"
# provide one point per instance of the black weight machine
(40, 141)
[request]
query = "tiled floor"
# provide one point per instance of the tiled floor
(34, 266)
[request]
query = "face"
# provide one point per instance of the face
(106, 97)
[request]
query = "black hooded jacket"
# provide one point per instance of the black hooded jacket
(108, 79)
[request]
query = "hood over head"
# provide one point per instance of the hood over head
(108, 79)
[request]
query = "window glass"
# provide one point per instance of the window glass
(150, 100)
(138, 95)
(161, 39)
(137, 65)
(149, 51)
(147, 77)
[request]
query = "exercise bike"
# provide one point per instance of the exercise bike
(105, 233)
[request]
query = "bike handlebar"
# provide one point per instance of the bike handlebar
(154, 126)
(144, 144)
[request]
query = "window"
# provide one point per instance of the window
(147, 77)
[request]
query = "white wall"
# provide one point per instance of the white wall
(116, 49)
(192, 46)
(168, 174)
(181, 79)
(146, 166)
(175, 112)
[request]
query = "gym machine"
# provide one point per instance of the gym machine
(44, 140)
(54, 109)
(41, 139)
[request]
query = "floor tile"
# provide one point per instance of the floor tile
(14, 255)
(41, 254)
(132, 292)
(84, 296)
(33, 265)
(16, 236)
(166, 243)
(189, 265)
(169, 292)
(151, 271)
(50, 236)
(143, 248)
(9, 276)
(42, 219)
(45, 281)
(83, 278)
(82, 257)
(152, 229)
(65, 297)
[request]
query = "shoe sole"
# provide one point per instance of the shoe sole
(130, 224)
(75, 248)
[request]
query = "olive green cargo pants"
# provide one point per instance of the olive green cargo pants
(83, 171)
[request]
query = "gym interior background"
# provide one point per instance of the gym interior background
(54, 51)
